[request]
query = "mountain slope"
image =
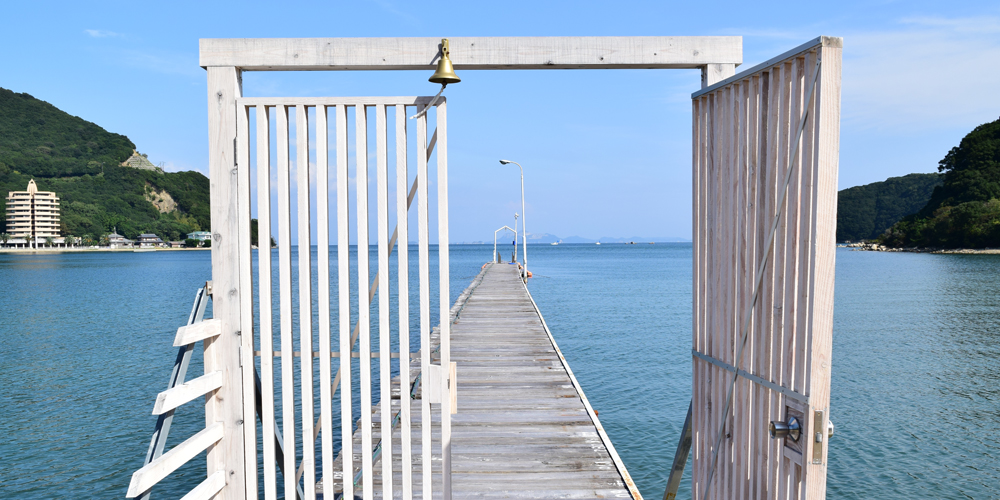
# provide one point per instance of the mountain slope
(80, 161)
(964, 211)
(865, 212)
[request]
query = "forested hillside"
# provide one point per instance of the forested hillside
(80, 161)
(964, 211)
(865, 212)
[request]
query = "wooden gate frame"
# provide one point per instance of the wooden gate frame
(226, 59)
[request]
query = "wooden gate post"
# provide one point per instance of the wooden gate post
(223, 352)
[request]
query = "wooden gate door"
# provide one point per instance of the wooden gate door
(340, 422)
(766, 147)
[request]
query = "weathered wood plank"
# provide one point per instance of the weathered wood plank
(222, 352)
(201, 330)
(146, 477)
(610, 52)
(523, 428)
(172, 398)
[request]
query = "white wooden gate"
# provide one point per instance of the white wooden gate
(303, 420)
(763, 311)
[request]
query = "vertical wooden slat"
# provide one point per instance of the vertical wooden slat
(741, 422)
(806, 217)
(696, 285)
(729, 231)
(825, 156)
(791, 244)
(285, 298)
(344, 302)
(385, 376)
(265, 286)
(247, 363)
(781, 270)
(402, 257)
(323, 296)
(222, 352)
(714, 284)
(425, 305)
(758, 416)
(364, 307)
(771, 326)
(445, 298)
(704, 415)
(305, 299)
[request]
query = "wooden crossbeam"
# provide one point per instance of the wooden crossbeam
(538, 52)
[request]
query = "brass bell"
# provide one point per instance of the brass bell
(445, 73)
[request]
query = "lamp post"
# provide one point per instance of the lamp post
(524, 217)
(515, 236)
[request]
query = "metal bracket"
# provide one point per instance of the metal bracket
(818, 438)
(208, 288)
(440, 383)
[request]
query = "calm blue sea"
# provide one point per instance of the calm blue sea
(85, 346)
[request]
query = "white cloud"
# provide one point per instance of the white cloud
(929, 73)
(101, 33)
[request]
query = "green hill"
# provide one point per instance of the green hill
(80, 161)
(964, 211)
(865, 212)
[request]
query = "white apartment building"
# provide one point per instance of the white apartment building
(32, 215)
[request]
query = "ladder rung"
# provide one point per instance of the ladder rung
(154, 472)
(208, 488)
(198, 331)
(172, 398)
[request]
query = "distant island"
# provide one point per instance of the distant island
(957, 208)
(102, 182)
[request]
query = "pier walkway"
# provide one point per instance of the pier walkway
(523, 429)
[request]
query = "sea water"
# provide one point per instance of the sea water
(85, 346)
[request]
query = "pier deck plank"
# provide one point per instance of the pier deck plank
(522, 429)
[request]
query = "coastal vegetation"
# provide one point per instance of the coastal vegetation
(964, 211)
(865, 212)
(81, 163)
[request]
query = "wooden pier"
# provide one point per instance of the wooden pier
(524, 428)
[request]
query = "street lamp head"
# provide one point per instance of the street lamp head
(504, 162)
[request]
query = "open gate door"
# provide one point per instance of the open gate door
(766, 148)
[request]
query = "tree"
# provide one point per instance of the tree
(69, 241)
(964, 211)
(105, 241)
(4, 237)
(88, 240)
(206, 243)
(191, 243)
(49, 241)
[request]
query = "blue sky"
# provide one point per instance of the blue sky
(606, 153)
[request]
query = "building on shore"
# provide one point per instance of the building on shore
(200, 236)
(116, 240)
(149, 240)
(32, 215)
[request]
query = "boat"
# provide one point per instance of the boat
(554, 243)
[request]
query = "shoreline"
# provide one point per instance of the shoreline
(81, 250)
(875, 247)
